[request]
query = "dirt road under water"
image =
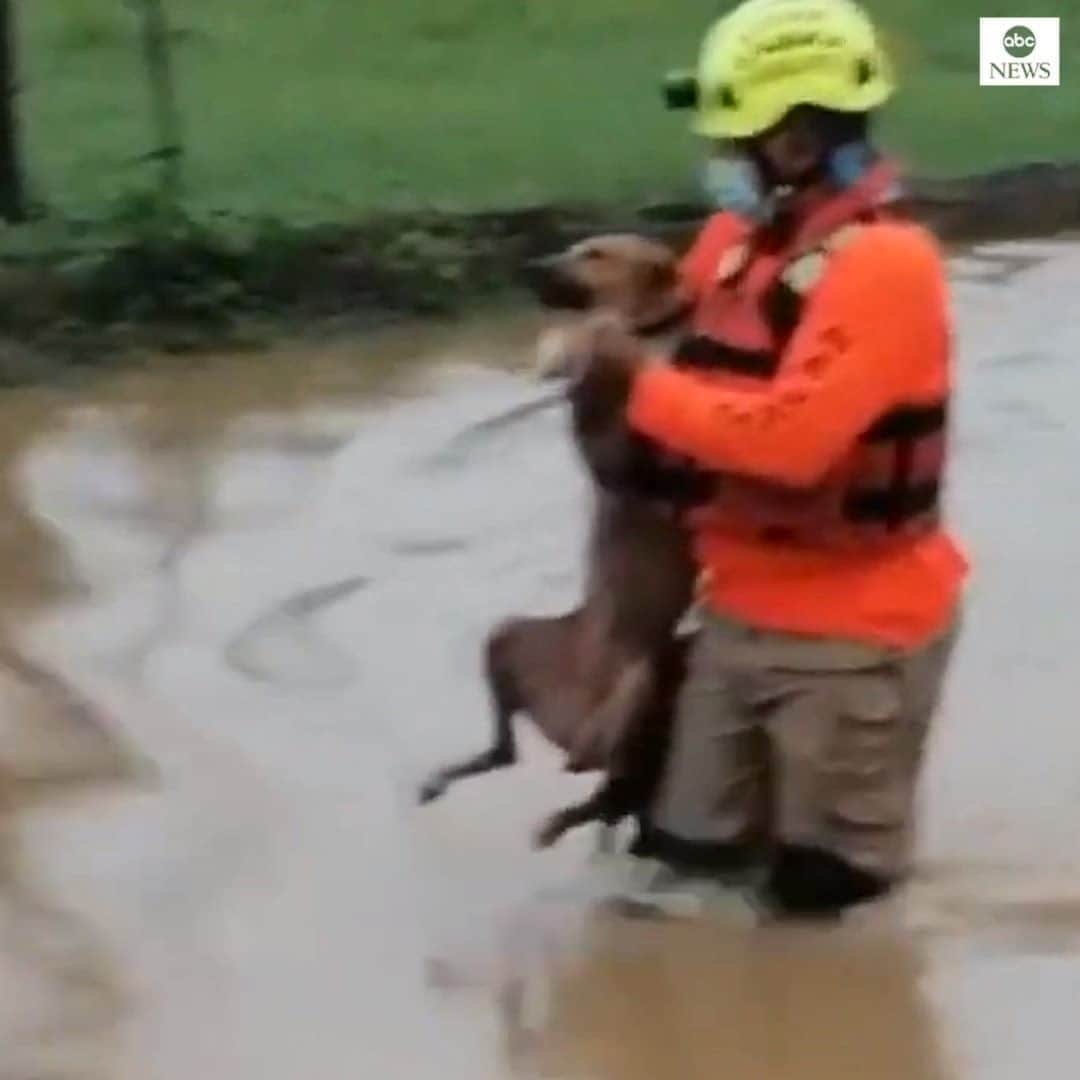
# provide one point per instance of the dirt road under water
(273, 579)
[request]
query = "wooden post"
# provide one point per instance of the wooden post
(12, 185)
(166, 117)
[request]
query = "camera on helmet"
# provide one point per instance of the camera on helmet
(681, 90)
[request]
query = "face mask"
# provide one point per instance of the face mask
(848, 163)
(732, 183)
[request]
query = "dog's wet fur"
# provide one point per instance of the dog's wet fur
(600, 681)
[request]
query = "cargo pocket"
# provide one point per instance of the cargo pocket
(867, 752)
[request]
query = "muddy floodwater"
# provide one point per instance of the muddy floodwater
(257, 587)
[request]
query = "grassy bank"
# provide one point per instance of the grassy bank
(328, 109)
(349, 162)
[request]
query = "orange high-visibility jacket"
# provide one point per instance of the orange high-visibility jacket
(816, 383)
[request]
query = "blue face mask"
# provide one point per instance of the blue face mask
(848, 163)
(733, 183)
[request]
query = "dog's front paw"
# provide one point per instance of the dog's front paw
(553, 357)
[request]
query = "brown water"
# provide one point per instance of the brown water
(268, 578)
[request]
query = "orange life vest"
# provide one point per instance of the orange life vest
(888, 487)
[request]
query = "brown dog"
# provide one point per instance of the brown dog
(600, 681)
(628, 276)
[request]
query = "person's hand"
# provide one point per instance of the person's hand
(604, 350)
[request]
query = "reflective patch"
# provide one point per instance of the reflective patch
(804, 273)
(732, 261)
(693, 618)
(703, 584)
(842, 237)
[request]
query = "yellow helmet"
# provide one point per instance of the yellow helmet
(767, 56)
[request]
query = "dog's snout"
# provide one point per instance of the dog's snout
(536, 272)
(553, 286)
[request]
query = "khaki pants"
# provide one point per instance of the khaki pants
(788, 739)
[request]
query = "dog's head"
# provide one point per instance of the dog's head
(630, 277)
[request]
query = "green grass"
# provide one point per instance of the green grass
(326, 109)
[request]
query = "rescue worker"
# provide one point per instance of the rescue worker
(815, 387)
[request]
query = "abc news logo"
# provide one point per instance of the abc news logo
(1020, 53)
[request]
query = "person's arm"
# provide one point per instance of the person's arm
(879, 310)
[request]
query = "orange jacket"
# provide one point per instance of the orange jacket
(873, 338)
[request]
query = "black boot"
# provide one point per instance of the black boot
(692, 856)
(809, 882)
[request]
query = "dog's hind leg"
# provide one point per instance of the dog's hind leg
(613, 720)
(506, 700)
(607, 804)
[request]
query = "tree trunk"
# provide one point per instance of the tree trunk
(12, 186)
(158, 58)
